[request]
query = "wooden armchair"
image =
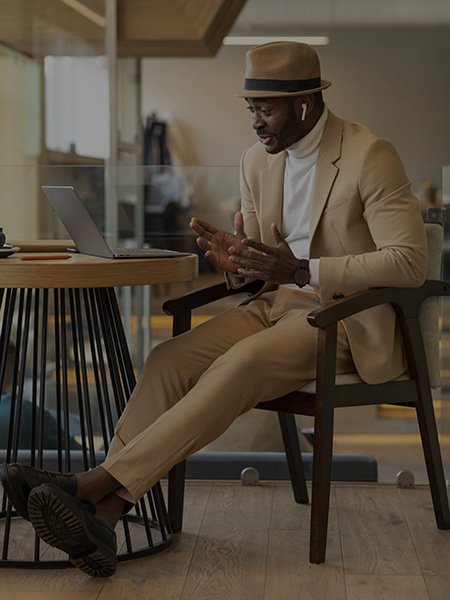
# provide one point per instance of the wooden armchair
(416, 311)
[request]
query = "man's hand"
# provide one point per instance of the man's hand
(255, 260)
(217, 242)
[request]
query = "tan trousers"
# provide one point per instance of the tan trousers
(192, 387)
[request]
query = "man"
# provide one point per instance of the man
(326, 212)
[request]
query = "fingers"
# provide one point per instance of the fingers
(249, 259)
(252, 274)
(276, 234)
(258, 246)
(210, 257)
(242, 249)
(202, 243)
(204, 239)
(201, 231)
(279, 239)
(239, 225)
(202, 227)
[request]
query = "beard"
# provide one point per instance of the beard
(291, 132)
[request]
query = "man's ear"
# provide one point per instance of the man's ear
(298, 105)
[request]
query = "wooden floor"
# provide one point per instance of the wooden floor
(251, 543)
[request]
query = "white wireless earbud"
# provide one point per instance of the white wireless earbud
(304, 107)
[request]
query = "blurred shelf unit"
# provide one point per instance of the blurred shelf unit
(55, 157)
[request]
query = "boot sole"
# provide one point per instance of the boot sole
(64, 525)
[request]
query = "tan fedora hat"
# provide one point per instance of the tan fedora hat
(281, 69)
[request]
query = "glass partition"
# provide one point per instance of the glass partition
(444, 421)
(153, 206)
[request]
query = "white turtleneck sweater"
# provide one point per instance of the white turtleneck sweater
(297, 196)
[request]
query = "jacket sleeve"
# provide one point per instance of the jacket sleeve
(394, 220)
(251, 224)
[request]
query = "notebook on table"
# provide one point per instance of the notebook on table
(84, 232)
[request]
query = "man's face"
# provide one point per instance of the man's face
(276, 122)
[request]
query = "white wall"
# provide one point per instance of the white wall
(395, 80)
(19, 144)
(197, 94)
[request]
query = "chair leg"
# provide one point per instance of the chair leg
(293, 457)
(433, 458)
(176, 495)
(427, 421)
(321, 481)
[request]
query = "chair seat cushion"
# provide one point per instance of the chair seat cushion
(343, 379)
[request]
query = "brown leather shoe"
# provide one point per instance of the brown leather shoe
(18, 481)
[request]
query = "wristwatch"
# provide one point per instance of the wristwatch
(301, 273)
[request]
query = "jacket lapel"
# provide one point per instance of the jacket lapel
(272, 182)
(326, 170)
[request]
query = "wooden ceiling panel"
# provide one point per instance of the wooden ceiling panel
(42, 27)
(174, 27)
(97, 6)
(145, 27)
(138, 20)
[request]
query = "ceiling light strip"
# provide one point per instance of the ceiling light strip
(255, 40)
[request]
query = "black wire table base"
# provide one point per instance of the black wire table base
(70, 375)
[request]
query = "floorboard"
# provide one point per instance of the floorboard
(251, 543)
(375, 536)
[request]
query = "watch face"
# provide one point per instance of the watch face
(301, 276)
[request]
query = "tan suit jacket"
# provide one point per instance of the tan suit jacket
(365, 226)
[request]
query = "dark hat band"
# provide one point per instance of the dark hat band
(282, 85)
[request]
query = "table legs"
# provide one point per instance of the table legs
(70, 376)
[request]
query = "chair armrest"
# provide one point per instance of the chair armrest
(181, 307)
(405, 301)
(207, 295)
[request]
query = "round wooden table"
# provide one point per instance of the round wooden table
(71, 362)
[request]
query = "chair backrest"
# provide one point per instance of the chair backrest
(431, 308)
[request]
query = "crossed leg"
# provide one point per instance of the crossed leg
(194, 386)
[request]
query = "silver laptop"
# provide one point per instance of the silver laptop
(84, 232)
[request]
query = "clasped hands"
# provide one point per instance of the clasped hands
(236, 253)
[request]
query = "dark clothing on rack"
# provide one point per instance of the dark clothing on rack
(156, 151)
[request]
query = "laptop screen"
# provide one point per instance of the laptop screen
(76, 219)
